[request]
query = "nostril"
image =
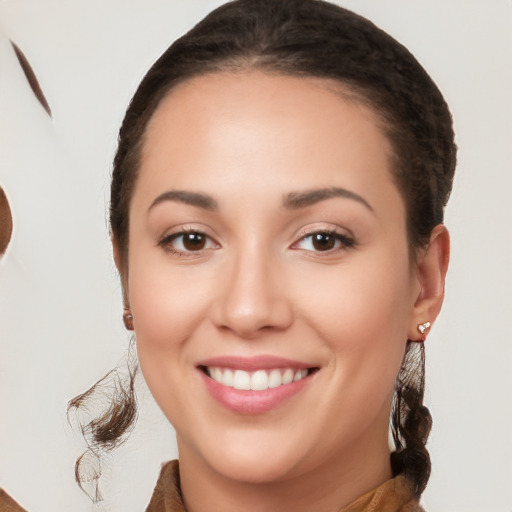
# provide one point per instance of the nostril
(5, 222)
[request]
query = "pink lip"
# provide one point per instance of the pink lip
(253, 402)
(248, 401)
(250, 364)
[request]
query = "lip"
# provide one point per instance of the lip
(248, 401)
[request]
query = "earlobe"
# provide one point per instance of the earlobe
(431, 273)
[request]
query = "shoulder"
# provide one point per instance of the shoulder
(395, 495)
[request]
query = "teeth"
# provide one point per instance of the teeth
(228, 378)
(275, 379)
(287, 376)
(242, 380)
(217, 374)
(300, 374)
(258, 380)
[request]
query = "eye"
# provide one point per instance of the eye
(324, 241)
(187, 242)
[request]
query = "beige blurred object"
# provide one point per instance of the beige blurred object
(7, 504)
(5, 222)
(31, 77)
(5, 209)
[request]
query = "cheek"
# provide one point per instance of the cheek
(167, 306)
(362, 320)
(362, 314)
(366, 301)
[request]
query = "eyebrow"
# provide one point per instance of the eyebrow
(192, 198)
(292, 201)
(296, 200)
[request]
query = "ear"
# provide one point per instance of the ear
(431, 273)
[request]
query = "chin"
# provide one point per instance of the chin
(257, 468)
(254, 458)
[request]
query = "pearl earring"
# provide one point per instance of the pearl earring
(423, 328)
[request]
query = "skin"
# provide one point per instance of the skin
(260, 286)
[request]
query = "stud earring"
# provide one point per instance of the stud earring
(423, 328)
(128, 319)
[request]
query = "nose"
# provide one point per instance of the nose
(252, 297)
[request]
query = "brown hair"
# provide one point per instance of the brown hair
(313, 38)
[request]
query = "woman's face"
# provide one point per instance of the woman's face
(268, 250)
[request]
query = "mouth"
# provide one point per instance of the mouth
(254, 385)
(258, 380)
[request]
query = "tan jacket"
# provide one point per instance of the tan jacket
(395, 495)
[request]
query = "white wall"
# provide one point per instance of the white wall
(60, 308)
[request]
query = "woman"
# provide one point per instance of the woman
(276, 213)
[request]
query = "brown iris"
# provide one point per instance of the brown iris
(194, 241)
(323, 241)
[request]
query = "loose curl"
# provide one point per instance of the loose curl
(311, 38)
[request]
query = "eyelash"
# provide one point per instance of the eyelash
(166, 242)
(345, 242)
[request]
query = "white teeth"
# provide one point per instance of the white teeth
(275, 379)
(300, 374)
(228, 378)
(217, 374)
(287, 376)
(259, 380)
(256, 381)
(241, 380)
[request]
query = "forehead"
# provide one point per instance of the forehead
(258, 97)
(253, 129)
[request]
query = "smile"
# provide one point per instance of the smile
(258, 380)
(255, 385)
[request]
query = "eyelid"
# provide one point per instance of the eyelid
(347, 239)
(166, 240)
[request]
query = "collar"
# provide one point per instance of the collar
(395, 495)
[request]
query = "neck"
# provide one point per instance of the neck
(327, 488)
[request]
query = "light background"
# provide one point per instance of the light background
(60, 307)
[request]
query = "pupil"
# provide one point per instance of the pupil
(323, 241)
(193, 241)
